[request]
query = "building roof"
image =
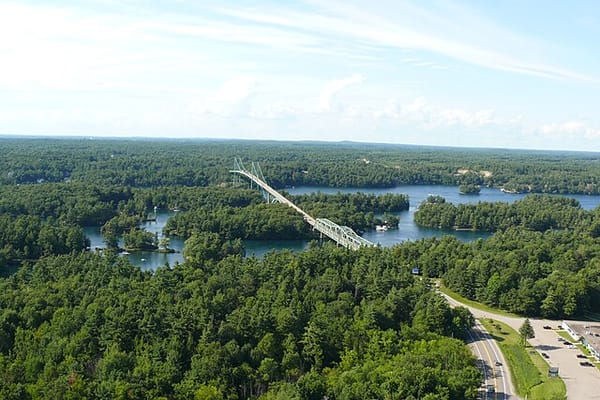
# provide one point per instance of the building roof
(590, 331)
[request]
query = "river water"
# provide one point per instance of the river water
(407, 229)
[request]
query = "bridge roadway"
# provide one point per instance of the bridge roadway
(342, 235)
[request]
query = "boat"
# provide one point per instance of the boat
(381, 228)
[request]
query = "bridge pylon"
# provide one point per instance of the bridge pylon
(256, 171)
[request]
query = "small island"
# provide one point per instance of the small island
(469, 189)
(141, 240)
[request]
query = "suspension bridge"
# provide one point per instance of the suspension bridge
(342, 235)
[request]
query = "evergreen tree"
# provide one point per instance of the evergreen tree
(526, 331)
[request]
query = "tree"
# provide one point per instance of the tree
(526, 331)
(163, 243)
(462, 321)
(208, 392)
(112, 241)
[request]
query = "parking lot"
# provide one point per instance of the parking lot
(582, 381)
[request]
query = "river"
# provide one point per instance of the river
(407, 229)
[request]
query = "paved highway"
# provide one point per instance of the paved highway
(497, 382)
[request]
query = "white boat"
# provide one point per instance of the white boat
(381, 228)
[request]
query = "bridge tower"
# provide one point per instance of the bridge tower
(255, 170)
(238, 166)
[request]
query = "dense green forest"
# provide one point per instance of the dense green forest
(544, 259)
(534, 212)
(325, 322)
(553, 274)
(29, 237)
(147, 163)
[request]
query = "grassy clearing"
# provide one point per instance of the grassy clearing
(529, 371)
(565, 335)
(584, 350)
(472, 303)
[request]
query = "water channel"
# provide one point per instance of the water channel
(407, 229)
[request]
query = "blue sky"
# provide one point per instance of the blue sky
(506, 73)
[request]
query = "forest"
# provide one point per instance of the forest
(544, 259)
(76, 323)
(534, 212)
(325, 322)
(151, 163)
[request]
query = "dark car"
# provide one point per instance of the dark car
(566, 343)
(547, 327)
(498, 364)
(586, 364)
(545, 355)
(581, 356)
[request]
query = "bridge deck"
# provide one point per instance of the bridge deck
(342, 235)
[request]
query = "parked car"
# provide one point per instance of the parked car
(547, 327)
(586, 364)
(566, 343)
(581, 356)
(545, 355)
(498, 363)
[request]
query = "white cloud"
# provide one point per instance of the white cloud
(570, 129)
(333, 87)
(230, 98)
(426, 116)
(396, 26)
(416, 106)
(468, 119)
(54, 49)
(235, 90)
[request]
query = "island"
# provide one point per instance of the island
(469, 189)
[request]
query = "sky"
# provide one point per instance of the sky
(506, 74)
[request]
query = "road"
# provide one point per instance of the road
(581, 382)
(492, 364)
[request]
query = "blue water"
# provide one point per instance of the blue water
(146, 260)
(407, 229)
